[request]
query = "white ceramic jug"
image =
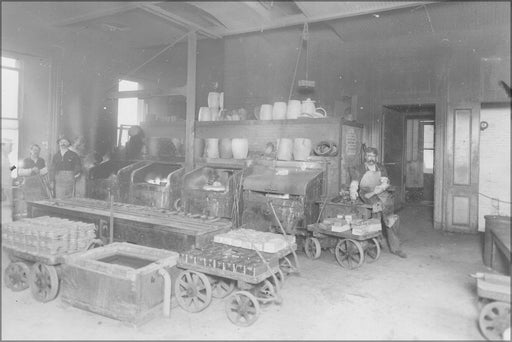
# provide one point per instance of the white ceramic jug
(213, 100)
(240, 148)
(204, 114)
(212, 148)
(265, 112)
(294, 109)
(279, 111)
(284, 149)
(301, 148)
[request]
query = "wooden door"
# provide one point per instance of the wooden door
(393, 150)
(461, 168)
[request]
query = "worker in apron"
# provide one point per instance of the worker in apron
(370, 182)
(66, 168)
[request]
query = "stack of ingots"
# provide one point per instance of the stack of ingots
(257, 240)
(229, 259)
(48, 235)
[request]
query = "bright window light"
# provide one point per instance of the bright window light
(9, 62)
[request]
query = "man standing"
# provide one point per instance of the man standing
(34, 164)
(66, 168)
(370, 182)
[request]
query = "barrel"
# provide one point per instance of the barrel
(279, 111)
(240, 148)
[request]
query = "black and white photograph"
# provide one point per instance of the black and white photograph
(256, 170)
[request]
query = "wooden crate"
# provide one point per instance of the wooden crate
(119, 280)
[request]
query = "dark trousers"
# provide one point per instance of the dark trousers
(390, 221)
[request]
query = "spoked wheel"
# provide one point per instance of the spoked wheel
(372, 250)
(193, 291)
(285, 264)
(279, 276)
(44, 282)
(16, 276)
(312, 248)
(349, 253)
(494, 320)
(267, 293)
(221, 287)
(242, 308)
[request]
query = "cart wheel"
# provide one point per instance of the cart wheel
(44, 282)
(372, 250)
(279, 275)
(16, 276)
(193, 291)
(266, 292)
(494, 320)
(242, 308)
(312, 248)
(221, 287)
(349, 253)
(285, 264)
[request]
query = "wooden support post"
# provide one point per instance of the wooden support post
(191, 101)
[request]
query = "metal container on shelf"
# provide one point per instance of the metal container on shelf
(157, 184)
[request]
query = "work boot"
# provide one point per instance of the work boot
(400, 253)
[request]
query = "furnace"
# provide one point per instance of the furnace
(289, 189)
(213, 190)
(157, 184)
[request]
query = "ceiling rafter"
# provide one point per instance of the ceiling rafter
(260, 9)
(97, 14)
(171, 17)
(302, 9)
(298, 19)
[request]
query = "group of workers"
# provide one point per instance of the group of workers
(369, 182)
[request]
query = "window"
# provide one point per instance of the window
(129, 111)
(428, 146)
(10, 104)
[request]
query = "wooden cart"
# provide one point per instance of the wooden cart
(351, 250)
(38, 271)
(494, 319)
(204, 278)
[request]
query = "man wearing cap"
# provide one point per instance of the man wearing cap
(370, 182)
(65, 169)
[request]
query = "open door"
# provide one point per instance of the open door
(393, 150)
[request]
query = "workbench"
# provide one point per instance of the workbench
(146, 226)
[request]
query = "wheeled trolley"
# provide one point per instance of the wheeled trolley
(37, 247)
(494, 319)
(215, 271)
(38, 272)
(351, 250)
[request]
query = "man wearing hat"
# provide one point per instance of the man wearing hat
(65, 169)
(370, 182)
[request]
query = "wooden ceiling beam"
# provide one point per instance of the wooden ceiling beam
(299, 19)
(97, 14)
(302, 8)
(258, 8)
(171, 17)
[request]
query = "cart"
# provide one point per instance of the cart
(351, 250)
(259, 277)
(30, 269)
(494, 319)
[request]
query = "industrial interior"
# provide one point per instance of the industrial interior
(256, 170)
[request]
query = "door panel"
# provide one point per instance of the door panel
(393, 149)
(461, 168)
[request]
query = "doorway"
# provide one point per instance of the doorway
(408, 151)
